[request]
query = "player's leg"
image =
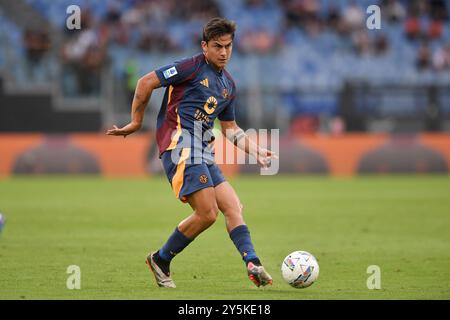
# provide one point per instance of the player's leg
(200, 195)
(205, 214)
(194, 185)
(231, 207)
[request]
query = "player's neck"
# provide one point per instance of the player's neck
(215, 68)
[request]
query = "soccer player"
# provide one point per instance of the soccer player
(199, 90)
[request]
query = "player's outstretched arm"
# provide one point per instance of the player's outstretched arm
(239, 138)
(143, 92)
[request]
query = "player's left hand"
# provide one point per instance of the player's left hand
(265, 157)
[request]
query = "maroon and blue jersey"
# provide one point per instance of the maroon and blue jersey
(195, 96)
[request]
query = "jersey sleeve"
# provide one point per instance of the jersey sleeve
(177, 72)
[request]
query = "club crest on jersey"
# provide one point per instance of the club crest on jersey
(210, 105)
(170, 72)
(225, 93)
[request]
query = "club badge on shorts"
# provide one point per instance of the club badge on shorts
(203, 178)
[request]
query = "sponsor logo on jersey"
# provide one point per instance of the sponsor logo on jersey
(201, 116)
(210, 105)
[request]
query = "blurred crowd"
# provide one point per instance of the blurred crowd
(265, 27)
(171, 26)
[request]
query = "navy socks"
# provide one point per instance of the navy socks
(174, 245)
(241, 239)
(239, 235)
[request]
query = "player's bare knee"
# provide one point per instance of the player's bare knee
(212, 214)
(236, 211)
(208, 216)
(232, 211)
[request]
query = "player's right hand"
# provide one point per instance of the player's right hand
(128, 129)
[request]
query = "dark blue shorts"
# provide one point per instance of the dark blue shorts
(187, 178)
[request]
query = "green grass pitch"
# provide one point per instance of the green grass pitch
(107, 226)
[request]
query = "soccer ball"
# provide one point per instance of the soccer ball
(300, 269)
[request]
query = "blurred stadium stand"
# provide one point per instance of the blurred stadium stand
(300, 65)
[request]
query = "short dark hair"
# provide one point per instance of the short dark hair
(218, 27)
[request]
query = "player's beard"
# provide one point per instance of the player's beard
(221, 63)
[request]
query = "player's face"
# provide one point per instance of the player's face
(218, 51)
